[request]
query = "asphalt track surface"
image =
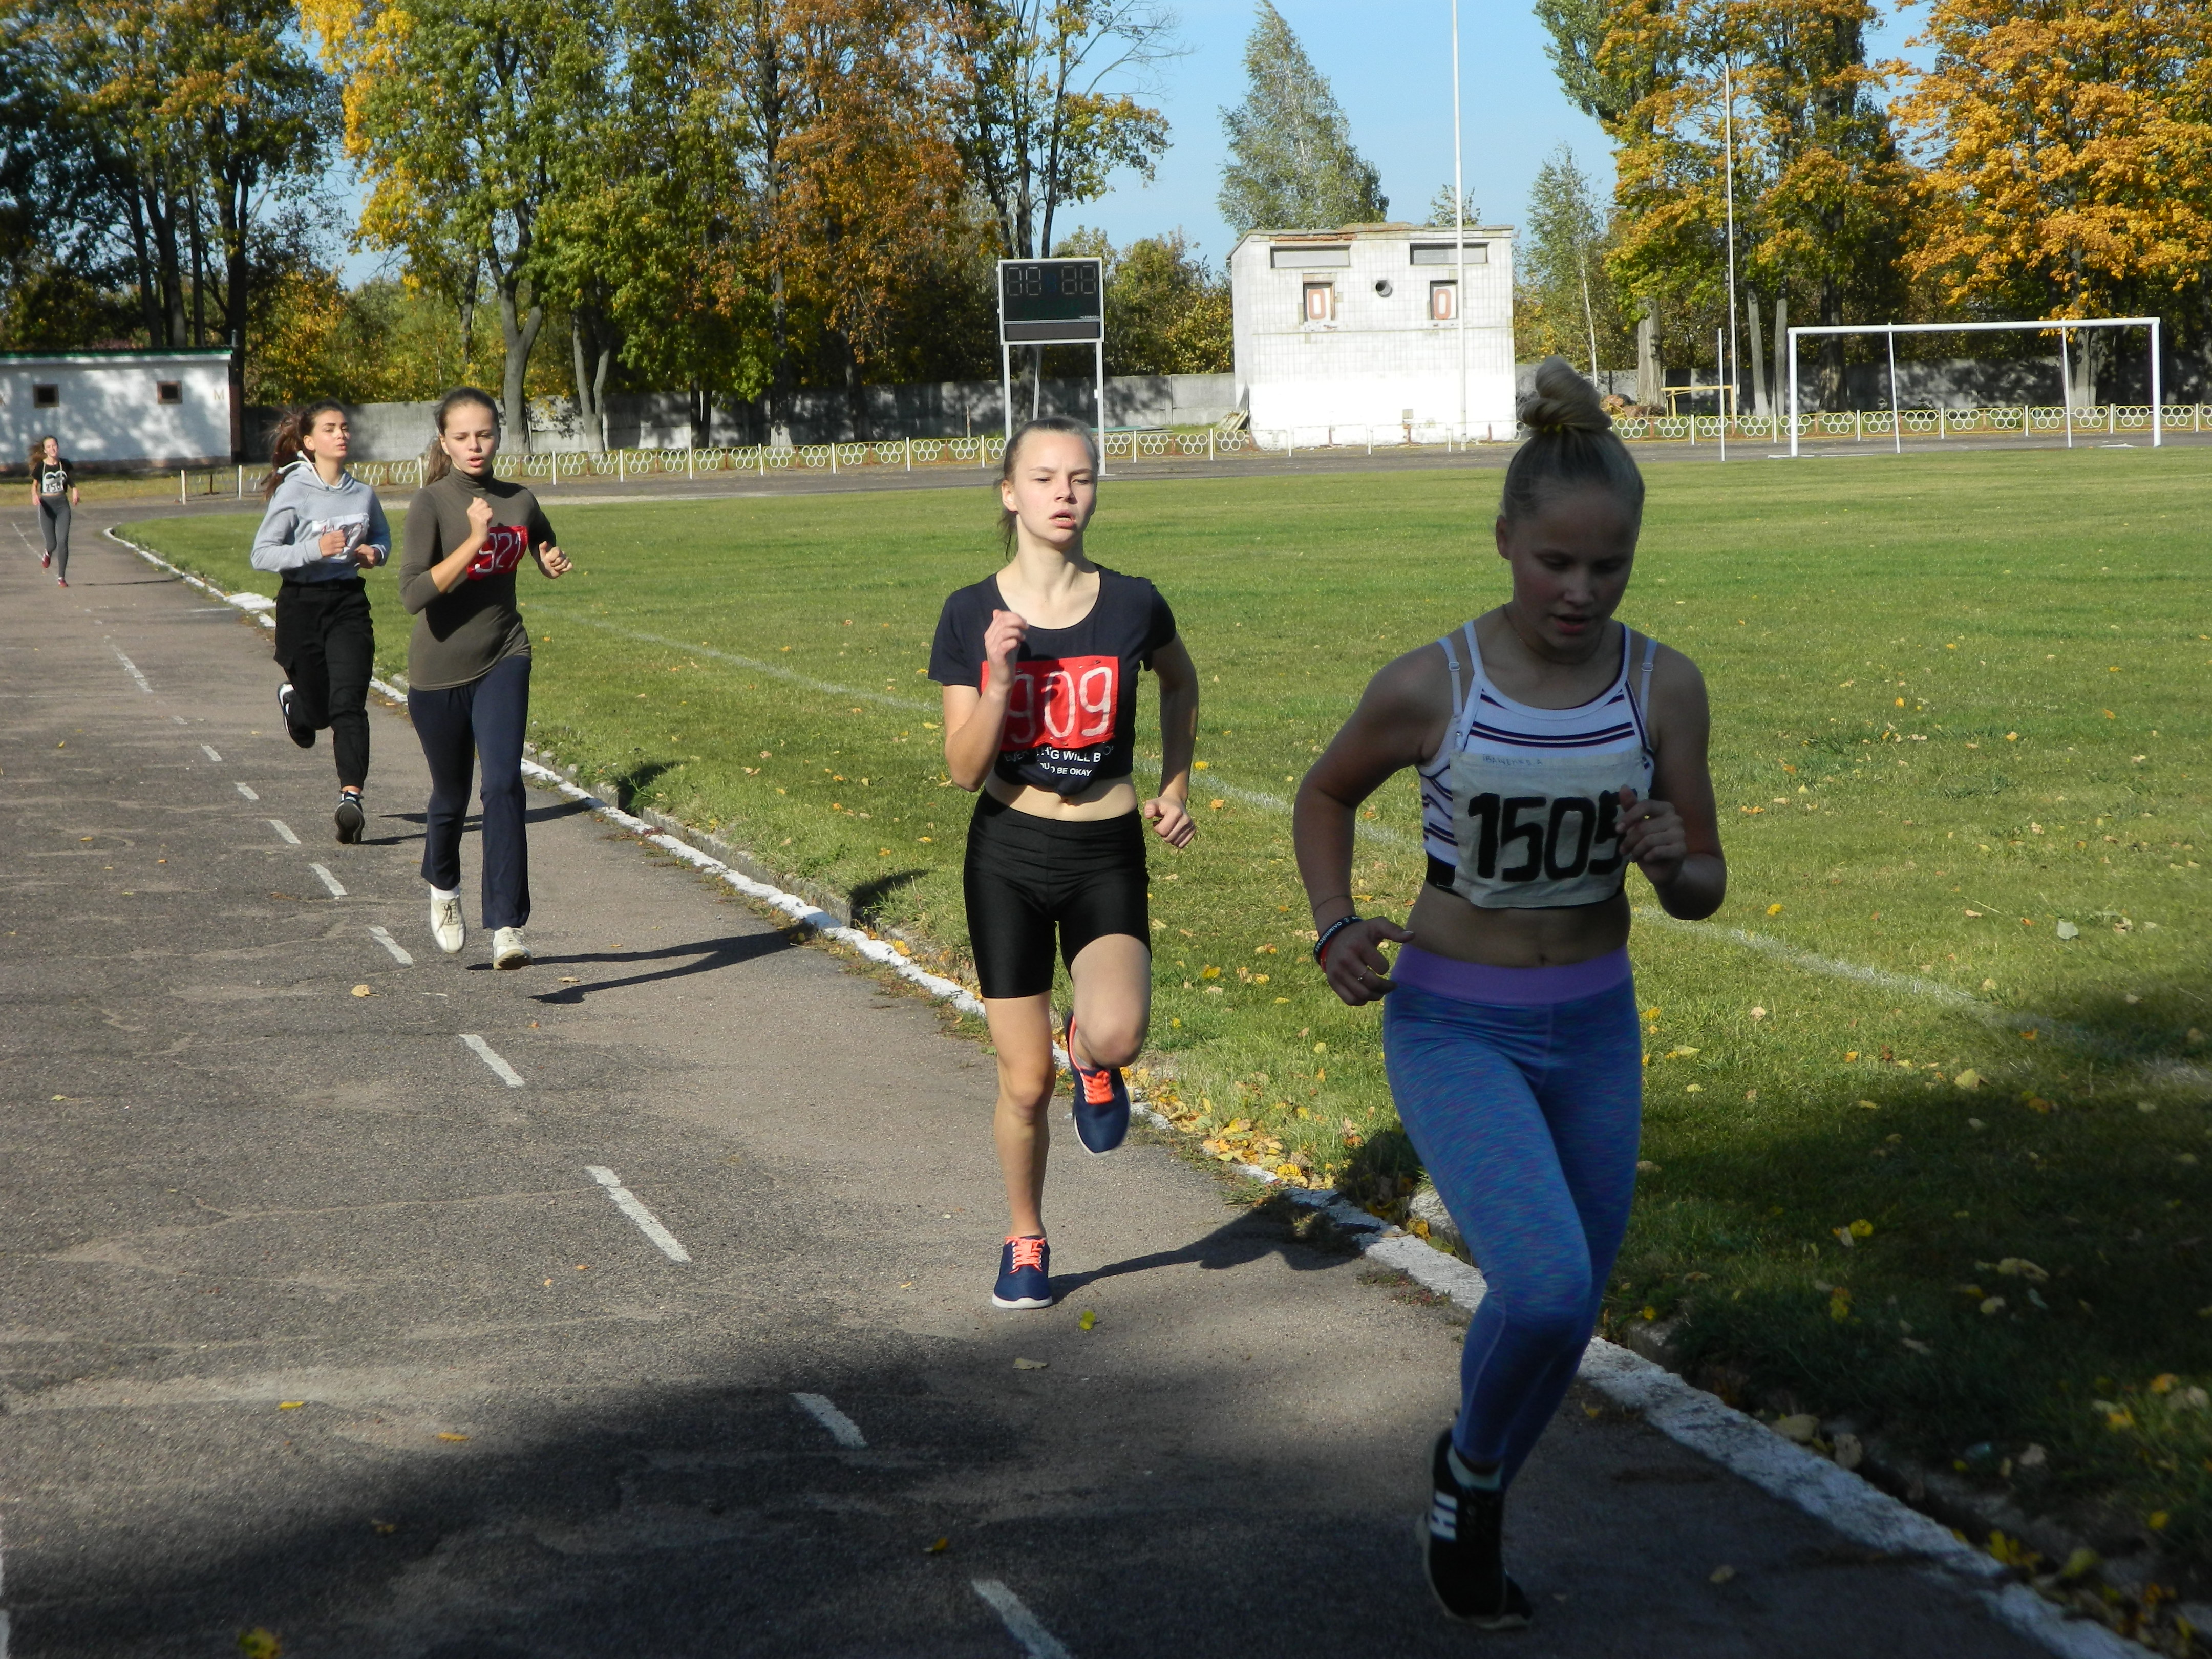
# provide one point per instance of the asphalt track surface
(315, 1323)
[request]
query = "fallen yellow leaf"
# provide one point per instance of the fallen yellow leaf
(1774, 909)
(1722, 1574)
(290, 1405)
(943, 1543)
(1031, 1364)
(447, 1434)
(1969, 1079)
(1089, 1320)
(363, 991)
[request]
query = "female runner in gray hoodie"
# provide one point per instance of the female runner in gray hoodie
(323, 528)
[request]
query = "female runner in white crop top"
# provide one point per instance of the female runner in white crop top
(1556, 748)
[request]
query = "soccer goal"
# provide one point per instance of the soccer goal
(2026, 415)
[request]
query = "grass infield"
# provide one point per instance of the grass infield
(1928, 1151)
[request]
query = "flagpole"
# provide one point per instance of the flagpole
(1459, 228)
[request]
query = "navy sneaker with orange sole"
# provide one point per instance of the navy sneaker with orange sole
(1101, 1101)
(1025, 1273)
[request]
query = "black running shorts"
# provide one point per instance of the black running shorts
(1026, 876)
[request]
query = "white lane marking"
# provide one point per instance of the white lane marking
(507, 1073)
(647, 1223)
(1929, 990)
(1021, 1623)
(843, 1429)
(209, 750)
(328, 881)
(240, 787)
(130, 668)
(398, 951)
(284, 829)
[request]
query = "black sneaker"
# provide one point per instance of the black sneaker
(302, 735)
(1462, 1538)
(349, 818)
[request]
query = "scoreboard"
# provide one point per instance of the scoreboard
(1051, 302)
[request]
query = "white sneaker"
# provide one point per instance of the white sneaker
(509, 948)
(446, 923)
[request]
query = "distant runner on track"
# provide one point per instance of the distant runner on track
(1039, 664)
(53, 494)
(468, 665)
(1555, 748)
(321, 529)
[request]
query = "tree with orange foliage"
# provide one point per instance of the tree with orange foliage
(1821, 192)
(2069, 148)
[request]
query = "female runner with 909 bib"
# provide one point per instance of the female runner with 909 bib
(1039, 665)
(1556, 747)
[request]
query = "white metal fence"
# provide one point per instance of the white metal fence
(983, 452)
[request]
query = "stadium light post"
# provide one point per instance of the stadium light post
(1459, 231)
(1727, 154)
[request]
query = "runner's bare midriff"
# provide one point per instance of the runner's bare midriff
(1105, 798)
(1446, 925)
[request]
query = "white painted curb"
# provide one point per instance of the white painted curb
(1689, 1416)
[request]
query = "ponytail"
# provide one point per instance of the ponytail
(39, 450)
(289, 445)
(436, 464)
(1570, 445)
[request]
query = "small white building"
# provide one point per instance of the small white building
(1358, 328)
(121, 408)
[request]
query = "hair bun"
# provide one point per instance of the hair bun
(1563, 401)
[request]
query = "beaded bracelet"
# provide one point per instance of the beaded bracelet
(1320, 944)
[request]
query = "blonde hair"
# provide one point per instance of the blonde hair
(436, 464)
(1570, 445)
(1063, 423)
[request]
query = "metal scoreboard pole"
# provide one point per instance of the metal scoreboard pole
(1045, 303)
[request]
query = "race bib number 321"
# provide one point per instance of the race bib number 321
(502, 550)
(1065, 702)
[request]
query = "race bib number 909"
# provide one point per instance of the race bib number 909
(502, 550)
(1065, 702)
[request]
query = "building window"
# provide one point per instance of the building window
(1320, 302)
(1305, 256)
(46, 397)
(1444, 253)
(168, 392)
(1444, 301)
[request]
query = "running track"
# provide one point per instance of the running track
(634, 1303)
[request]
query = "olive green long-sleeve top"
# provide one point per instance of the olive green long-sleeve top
(460, 636)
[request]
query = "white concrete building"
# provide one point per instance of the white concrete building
(117, 409)
(1339, 330)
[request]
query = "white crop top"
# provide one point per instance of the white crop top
(1520, 807)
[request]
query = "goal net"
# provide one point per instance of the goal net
(1919, 413)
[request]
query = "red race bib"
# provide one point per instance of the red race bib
(1065, 702)
(504, 546)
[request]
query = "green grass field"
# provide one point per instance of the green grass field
(1949, 1180)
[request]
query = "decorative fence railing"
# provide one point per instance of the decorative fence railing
(621, 465)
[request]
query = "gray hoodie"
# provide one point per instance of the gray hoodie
(303, 509)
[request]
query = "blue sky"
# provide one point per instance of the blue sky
(1389, 64)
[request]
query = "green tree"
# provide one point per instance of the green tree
(1167, 310)
(1444, 213)
(1560, 271)
(1291, 164)
(1036, 126)
(465, 117)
